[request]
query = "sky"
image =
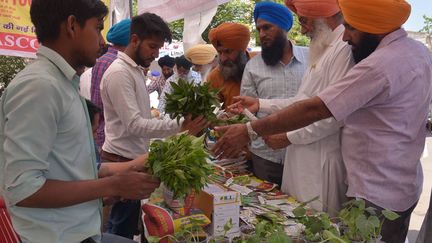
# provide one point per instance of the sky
(418, 9)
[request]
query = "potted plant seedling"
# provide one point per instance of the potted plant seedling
(193, 233)
(268, 229)
(361, 224)
(317, 227)
(223, 238)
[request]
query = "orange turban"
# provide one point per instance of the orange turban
(313, 8)
(375, 16)
(230, 35)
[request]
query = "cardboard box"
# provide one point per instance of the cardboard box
(220, 204)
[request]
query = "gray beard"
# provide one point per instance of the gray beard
(234, 70)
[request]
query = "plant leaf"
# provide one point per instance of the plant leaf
(299, 212)
(390, 215)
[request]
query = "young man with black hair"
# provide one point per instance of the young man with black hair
(49, 177)
(128, 122)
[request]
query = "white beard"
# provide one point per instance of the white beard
(205, 70)
(319, 41)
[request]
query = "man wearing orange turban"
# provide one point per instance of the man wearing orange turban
(383, 102)
(230, 41)
(313, 8)
(230, 35)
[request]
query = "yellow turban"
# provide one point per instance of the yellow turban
(201, 54)
(230, 35)
(313, 8)
(375, 16)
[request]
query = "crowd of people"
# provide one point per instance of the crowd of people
(343, 118)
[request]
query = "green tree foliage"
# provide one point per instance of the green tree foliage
(427, 28)
(239, 11)
(427, 25)
(236, 11)
(9, 67)
(177, 29)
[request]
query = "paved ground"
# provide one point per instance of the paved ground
(422, 206)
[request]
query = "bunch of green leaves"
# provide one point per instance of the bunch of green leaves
(180, 163)
(189, 98)
(361, 223)
(236, 119)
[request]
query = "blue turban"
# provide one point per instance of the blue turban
(274, 13)
(119, 33)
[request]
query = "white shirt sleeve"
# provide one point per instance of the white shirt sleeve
(121, 91)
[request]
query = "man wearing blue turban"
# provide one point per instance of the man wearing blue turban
(274, 74)
(119, 34)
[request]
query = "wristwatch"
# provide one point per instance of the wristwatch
(252, 134)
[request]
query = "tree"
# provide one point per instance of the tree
(9, 67)
(428, 30)
(239, 11)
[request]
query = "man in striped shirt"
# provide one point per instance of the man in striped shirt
(118, 36)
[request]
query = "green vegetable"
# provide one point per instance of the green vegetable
(236, 119)
(189, 98)
(180, 163)
(361, 223)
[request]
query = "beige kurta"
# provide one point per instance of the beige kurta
(313, 163)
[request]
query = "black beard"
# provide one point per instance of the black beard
(274, 53)
(234, 70)
(167, 76)
(366, 46)
(139, 60)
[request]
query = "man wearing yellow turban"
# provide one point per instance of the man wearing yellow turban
(203, 57)
(230, 41)
(383, 102)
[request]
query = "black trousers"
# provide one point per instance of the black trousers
(267, 170)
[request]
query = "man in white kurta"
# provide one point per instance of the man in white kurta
(313, 162)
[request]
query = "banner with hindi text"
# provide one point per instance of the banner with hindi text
(17, 33)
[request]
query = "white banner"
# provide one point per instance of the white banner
(197, 14)
(119, 10)
(194, 26)
(171, 10)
